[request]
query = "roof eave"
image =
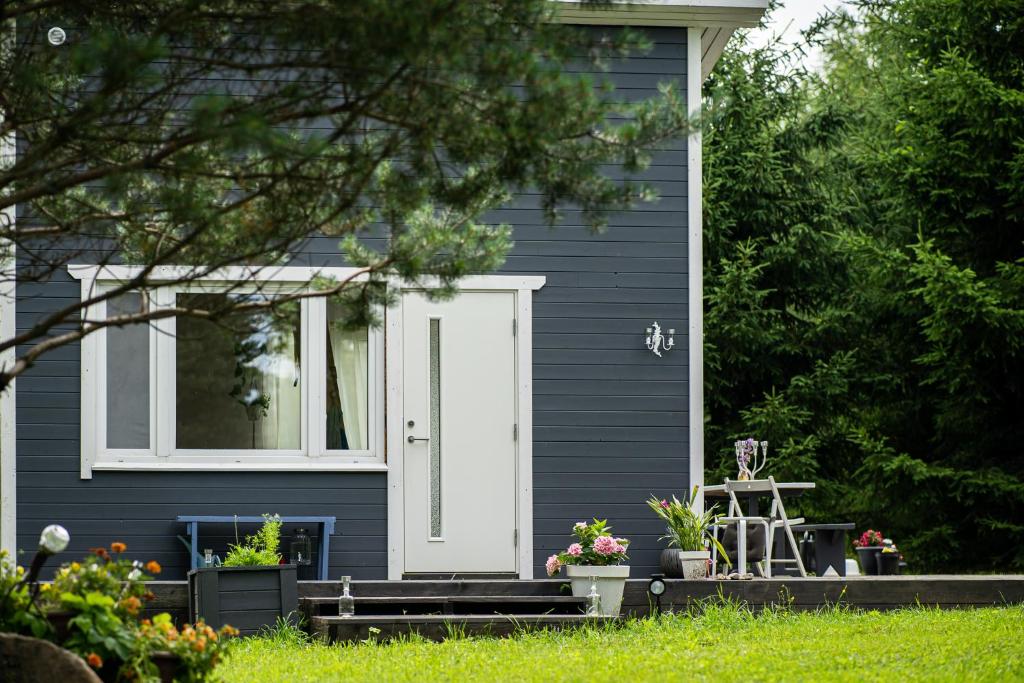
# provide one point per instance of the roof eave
(718, 19)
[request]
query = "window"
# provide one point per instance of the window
(237, 379)
(288, 387)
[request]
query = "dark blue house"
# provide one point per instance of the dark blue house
(462, 437)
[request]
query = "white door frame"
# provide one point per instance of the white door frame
(523, 288)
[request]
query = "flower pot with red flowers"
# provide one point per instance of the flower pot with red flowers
(869, 547)
(594, 561)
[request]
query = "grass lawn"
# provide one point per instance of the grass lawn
(723, 643)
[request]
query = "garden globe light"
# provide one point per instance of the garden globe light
(54, 539)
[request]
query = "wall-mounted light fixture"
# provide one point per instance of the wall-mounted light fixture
(56, 36)
(657, 342)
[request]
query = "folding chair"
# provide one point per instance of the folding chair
(777, 518)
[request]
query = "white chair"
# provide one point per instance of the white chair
(777, 518)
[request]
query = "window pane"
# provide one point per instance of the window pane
(435, 428)
(347, 381)
(237, 376)
(127, 377)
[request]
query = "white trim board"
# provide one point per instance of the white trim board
(523, 286)
(678, 13)
(8, 329)
(695, 237)
(8, 418)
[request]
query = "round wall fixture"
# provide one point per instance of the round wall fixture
(56, 36)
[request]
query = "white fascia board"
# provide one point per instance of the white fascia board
(681, 13)
(719, 19)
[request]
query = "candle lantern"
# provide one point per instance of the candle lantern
(301, 548)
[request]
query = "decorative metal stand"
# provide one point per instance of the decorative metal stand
(746, 458)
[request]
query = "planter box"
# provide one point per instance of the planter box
(248, 598)
(610, 580)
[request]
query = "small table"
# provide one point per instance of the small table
(326, 530)
(793, 488)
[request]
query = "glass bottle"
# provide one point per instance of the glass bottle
(346, 603)
(593, 599)
(301, 548)
(208, 557)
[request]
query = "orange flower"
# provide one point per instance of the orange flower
(118, 547)
(100, 553)
(94, 660)
(229, 630)
(200, 645)
(146, 622)
(131, 604)
(149, 596)
(153, 567)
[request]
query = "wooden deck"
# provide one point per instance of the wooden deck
(874, 592)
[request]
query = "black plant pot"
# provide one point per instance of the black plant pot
(888, 563)
(868, 559)
(247, 598)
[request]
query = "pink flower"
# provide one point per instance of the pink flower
(619, 548)
(664, 503)
(575, 550)
(553, 565)
(604, 545)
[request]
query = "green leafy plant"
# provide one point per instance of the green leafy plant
(18, 612)
(198, 648)
(259, 549)
(687, 529)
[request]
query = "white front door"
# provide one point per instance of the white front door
(459, 415)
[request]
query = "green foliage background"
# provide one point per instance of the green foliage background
(864, 272)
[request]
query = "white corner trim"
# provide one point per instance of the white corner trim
(695, 262)
(8, 329)
(8, 415)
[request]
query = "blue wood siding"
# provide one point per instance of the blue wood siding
(610, 419)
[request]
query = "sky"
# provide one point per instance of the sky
(792, 17)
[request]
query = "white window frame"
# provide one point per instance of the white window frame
(162, 453)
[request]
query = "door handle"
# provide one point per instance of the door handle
(414, 439)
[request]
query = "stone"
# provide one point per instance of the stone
(30, 660)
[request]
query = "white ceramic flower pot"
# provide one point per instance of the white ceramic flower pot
(695, 563)
(610, 583)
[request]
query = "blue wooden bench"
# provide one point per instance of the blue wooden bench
(326, 524)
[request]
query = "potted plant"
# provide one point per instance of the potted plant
(688, 535)
(92, 608)
(252, 584)
(869, 547)
(594, 559)
(889, 559)
(167, 653)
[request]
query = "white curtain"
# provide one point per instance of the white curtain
(349, 349)
(280, 428)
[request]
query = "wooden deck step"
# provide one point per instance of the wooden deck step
(439, 627)
(448, 605)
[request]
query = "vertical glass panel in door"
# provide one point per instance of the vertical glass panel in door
(347, 382)
(435, 428)
(127, 375)
(237, 374)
